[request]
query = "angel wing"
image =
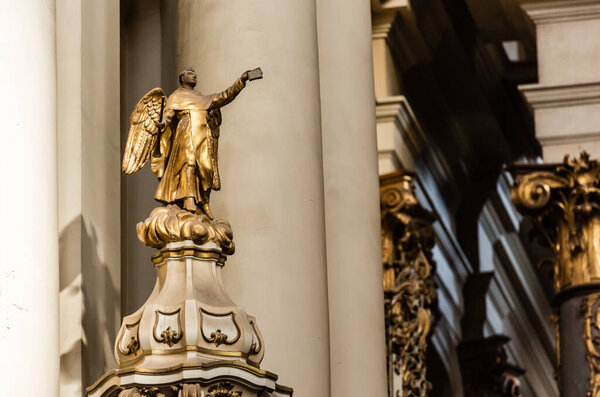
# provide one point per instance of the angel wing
(143, 131)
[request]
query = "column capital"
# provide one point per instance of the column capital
(564, 199)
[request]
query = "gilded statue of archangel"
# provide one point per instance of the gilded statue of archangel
(181, 136)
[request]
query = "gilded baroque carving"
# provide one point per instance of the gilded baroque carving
(564, 199)
(218, 337)
(133, 346)
(172, 224)
(591, 337)
(219, 328)
(141, 392)
(168, 335)
(223, 389)
(407, 239)
(130, 336)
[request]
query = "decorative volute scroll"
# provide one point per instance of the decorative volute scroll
(408, 270)
(564, 199)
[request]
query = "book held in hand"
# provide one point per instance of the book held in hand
(255, 74)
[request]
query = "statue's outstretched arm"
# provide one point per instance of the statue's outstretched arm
(225, 97)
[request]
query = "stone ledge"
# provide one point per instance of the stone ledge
(562, 11)
(551, 96)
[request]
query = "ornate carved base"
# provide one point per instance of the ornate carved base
(219, 379)
(188, 331)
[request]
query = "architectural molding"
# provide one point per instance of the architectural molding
(382, 5)
(396, 109)
(570, 138)
(397, 25)
(541, 96)
(517, 304)
(444, 340)
(562, 11)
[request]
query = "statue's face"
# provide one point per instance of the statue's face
(189, 77)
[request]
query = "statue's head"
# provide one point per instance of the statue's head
(188, 76)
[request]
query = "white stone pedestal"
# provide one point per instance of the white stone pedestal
(219, 379)
(189, 338)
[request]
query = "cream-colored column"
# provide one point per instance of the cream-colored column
(271, 171)
(88, 188)
(353, 221)
(29, 265)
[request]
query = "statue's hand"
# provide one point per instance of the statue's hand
(161, 126)
(244, 76)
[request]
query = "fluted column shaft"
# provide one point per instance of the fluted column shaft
(270, 162)
(29, 266)
(351, 199)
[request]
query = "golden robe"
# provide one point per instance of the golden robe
(188, 164)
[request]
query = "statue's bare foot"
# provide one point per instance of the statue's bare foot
(189, 204)
(206, 210)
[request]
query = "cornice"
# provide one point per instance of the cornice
(541, 96)
(570, 138)
(378, 6)
(397, 109)
(382, 20)
(562, 11)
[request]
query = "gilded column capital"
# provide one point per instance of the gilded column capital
(407, 239)
(564, 199)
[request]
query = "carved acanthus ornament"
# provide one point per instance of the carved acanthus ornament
(219, 389)
(223, 389)
(564, 199)
(407, 239)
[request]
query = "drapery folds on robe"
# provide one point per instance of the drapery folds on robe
(187, 166)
